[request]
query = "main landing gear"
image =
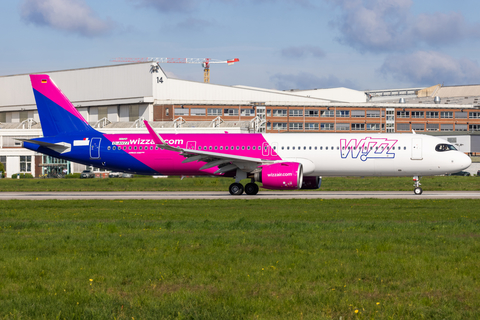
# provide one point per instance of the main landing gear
(416, 184)
(237, 189)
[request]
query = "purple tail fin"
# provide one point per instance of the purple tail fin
(57, 114)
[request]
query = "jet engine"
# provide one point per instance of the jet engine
(281, 176)
(311, 182)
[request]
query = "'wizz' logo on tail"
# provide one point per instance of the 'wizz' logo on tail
(367, 148)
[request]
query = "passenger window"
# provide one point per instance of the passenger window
(108, 148)
(315, 147)
(151, 148)
(221, 147)
(321, 148)
(288, 148)
(238, 148)
(216, 148)
(310, 148)
(248, 147)
(293, 148)
(129, 148)
(210, 148)
(283, 147)
(243, 147)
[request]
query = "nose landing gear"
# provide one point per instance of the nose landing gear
(416, 184)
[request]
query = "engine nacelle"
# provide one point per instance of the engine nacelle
(311, 182)
(281, 176)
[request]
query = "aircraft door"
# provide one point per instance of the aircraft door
(191, 145)
(417, 149)
(265, 149)
(95, 148)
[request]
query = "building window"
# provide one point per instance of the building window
(446, 114)
(181, 111)
(197, 111)
(418, 126)
(247, 112)
(461, 115)
(230, 112)
(373, 113)
(3, 117)
(279, 126)
(417, 114)
(432, 114)
(311, 113)
(461, 127)
(214, 112)
(433, 126)
(327, 114)
(403, 126)
(358, 126)
(25, 163)
(296, 126)
(373, 126)
(343, 113)
(474, 127)
(446, 127)
(279, 113)
(403, 114)
(327, 126)
(311, 126)
(296, 113)
(343, 127)
(358, 113)
(473, 115)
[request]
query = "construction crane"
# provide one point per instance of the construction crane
(205, 62)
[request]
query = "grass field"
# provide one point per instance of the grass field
(240, 259)
(436, 183)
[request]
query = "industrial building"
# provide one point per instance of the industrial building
(119, 97)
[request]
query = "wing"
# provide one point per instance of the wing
(225, 162)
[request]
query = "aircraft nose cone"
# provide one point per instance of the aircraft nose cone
(463, 161)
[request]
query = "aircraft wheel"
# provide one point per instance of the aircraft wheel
(418, 191)
(236, 189)
(251, 188)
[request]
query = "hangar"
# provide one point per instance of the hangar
(119, 97)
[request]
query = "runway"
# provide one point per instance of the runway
(184, 195)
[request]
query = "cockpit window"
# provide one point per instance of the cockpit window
(444, 147)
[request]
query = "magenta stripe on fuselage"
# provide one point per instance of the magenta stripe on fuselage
(142, 148)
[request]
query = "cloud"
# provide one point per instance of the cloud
(390, 25)
(304, 80)
(73, 16)
(194, 24)
(166, 6)
(302, 51)
(430, 67)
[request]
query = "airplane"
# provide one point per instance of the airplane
(284, 161)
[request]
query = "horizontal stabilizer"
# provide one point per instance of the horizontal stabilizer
(60, 147)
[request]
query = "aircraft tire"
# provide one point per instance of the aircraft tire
(235, 189)
(418, 191)
(251, 189)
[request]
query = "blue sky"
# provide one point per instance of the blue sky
(281, 44)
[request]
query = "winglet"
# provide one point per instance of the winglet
(158, 140)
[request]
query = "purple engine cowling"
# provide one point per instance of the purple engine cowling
(311, 182)
(281, 176)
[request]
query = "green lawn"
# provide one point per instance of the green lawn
(236, 259)
(221, 184)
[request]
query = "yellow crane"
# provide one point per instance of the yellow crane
(205, 62)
